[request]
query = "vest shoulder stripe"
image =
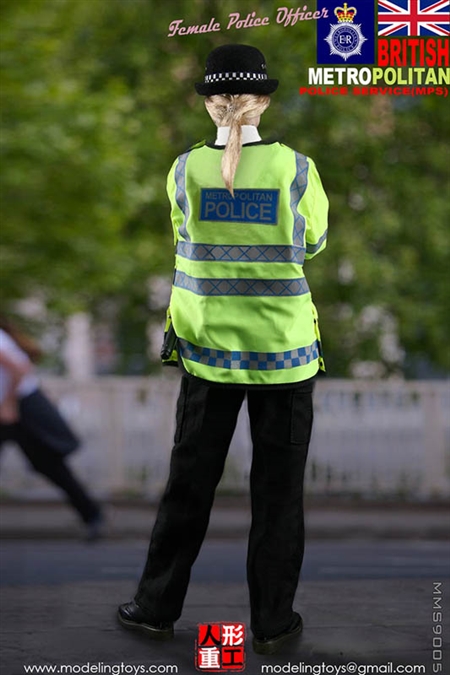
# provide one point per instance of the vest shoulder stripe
(240, 253)
(180, 195)
(245, 360)
(251, 287)
(298, 189)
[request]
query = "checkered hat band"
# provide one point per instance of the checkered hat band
(226, 77)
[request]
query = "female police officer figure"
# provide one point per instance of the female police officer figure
(246, 214)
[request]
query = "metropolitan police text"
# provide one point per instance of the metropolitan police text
(365, 76)
(247, 206)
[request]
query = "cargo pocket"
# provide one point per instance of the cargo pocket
(301, 417)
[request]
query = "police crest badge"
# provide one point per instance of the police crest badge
(345, 37)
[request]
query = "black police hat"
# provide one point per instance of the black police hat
(236, 69)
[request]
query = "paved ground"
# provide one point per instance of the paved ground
(358, 621)
(231, 518)
(32, 562)
(347, 620)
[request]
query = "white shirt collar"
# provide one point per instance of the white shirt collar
(249, 134)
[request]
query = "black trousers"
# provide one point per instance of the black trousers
(281, 422)
(49, 462)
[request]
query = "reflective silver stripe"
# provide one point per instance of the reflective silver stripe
(239, 360)
(225, 253)
(180, 195)
(298, 189)
(252, 287)
(313, 248)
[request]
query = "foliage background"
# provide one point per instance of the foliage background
(96, 103)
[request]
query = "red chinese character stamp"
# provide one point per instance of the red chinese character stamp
(220, 647)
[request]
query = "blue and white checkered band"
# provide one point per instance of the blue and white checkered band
(221, 77)
(218, 358)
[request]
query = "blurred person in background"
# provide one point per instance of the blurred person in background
(246, 214)
(28, 418)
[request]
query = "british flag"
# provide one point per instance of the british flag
(414, 17)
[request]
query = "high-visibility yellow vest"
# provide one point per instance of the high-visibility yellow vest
(240, 304)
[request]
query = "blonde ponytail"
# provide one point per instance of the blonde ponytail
(234, 110)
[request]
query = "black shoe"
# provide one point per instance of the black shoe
(95, 528)
(272, 645)
(131, 616)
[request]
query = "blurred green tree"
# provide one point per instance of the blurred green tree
(97, 101)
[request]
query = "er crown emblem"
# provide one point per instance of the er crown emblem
(345, 13)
